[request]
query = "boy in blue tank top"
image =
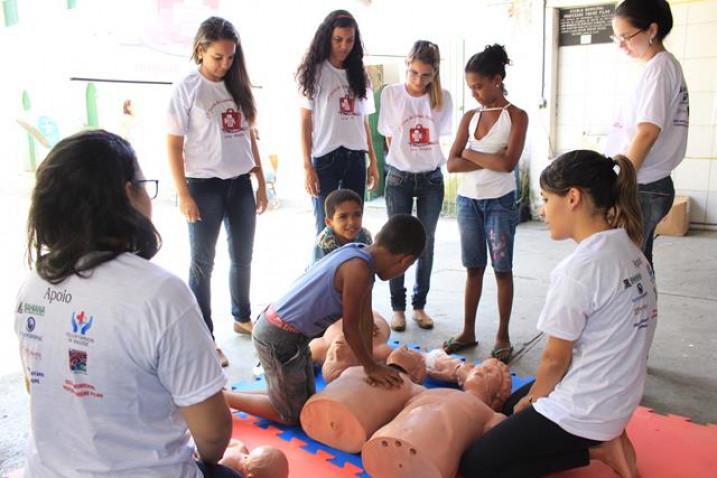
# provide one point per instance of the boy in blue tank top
(340, 285)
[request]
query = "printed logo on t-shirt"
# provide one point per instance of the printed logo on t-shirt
(419, 135)
(347, 105)
(81, 323)
(30, 324)
(82, 390)
(627, 283)
(682, 118)
(231, 121)
(34, 309)
(78, 361)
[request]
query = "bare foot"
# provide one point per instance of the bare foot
(398, 321)
(423, 320)
(618, 454)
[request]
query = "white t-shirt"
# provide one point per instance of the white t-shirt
(337, 116)
(414, 129)
(217, 143)
(603, 297)
(486, 183)
(109, 360)
(661, 98)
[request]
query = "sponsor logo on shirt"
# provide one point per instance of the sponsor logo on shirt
(35, 377)
(231, 121)
(630, 281)
(29, 354)
(30, 324)
(419, 136)
(81, 323)
(34, 309)
(81, 390)
(347, 105)
(78, 361)
(56, 295)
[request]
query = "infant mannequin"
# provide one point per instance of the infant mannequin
(262, 462)
(349, 410)
(429, 435)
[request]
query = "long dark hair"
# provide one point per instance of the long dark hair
(427, 52)
(237, 79)
(320, 49)
(490, 62)
(80, 208)
(614, 194)
(642, 13)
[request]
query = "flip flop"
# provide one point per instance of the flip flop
(454, 345)
(504, 354)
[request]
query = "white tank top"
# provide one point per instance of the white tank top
(484, 183)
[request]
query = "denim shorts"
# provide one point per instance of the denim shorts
(491, 222)
(288, 368)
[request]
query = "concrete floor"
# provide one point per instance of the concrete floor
(682, 373)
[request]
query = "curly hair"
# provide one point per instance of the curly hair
(237, 78)
(320, 49)
(80, 215)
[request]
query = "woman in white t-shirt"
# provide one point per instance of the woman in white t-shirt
(652, 127)
(336, 100)
(212, 151)
(118, 362)
(599, 317)
(414, 115)
(486, 150)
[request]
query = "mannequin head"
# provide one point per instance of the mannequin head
(489, 380)
(262, 462)
(339, 357)
(409, 361)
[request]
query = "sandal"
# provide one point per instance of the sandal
(454, 345)
(504, 353)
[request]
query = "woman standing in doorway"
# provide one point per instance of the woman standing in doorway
(337, 99)
(652, 127)
(414, 115)
(212, 151)
(487, 149)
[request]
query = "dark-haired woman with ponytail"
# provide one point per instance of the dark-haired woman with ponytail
(336, 101)
(599, 317)
(487, 148)
(117, 359)
(414, 115)
(652, 127)
(212, 151)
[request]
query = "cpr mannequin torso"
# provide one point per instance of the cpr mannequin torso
(262, 462)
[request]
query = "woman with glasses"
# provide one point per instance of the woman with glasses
(414, 115)
(116, 356)
(212, 151)
(336, 99)
(652, 126)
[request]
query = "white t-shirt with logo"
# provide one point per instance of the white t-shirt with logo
(414, 128)
(603, 297)
(337, 116)
(109, 360)
(661, 98)
(217, 143)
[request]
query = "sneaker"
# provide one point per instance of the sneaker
(243, 328)
(223, 360)
(398, 321)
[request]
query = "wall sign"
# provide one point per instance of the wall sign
(586, 25)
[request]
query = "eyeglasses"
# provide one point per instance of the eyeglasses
(620, 39)
(149, 185)
(423, 76)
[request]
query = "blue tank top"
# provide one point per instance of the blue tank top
(313, 303)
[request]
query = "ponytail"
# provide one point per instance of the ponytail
(627, 206)
(614, 194)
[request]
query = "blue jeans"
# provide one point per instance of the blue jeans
(427, 188)
(340, 169)
(217, 471)
(230, 201)
(491, 222)
(655, 202)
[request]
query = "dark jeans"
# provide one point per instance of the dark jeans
(340, 169)
(525, 445)
(427, 188)
(655, 201)
(217, 471)
(230, 201)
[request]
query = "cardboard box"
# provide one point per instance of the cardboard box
(677, 220)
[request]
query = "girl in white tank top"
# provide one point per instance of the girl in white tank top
(487, 148)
